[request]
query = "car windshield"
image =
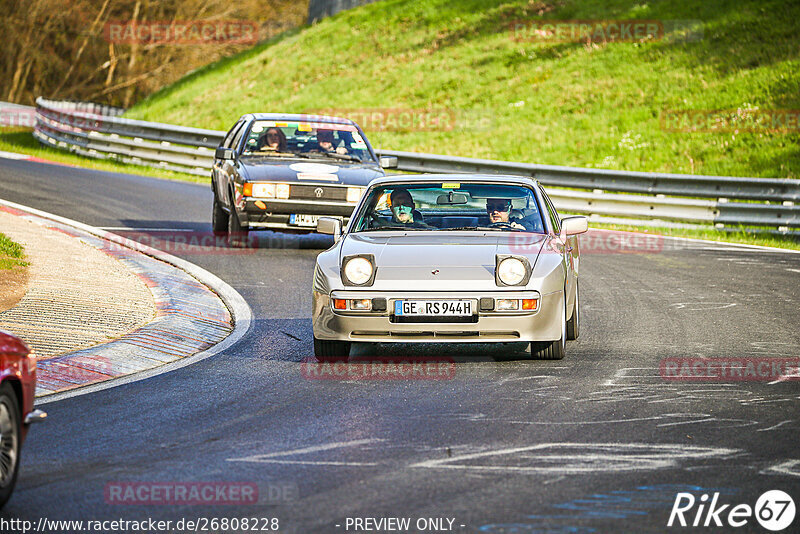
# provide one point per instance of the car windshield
(450, 206)
(308, 140)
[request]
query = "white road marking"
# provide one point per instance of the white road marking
(794, 270)
(309, 462)
(586, 458)
(267, 458)
(676, 423)
(702, 306)
(789, 467)
(13, 155)
(784, 378)
(773, 427)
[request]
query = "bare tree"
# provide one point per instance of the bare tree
(64, 49)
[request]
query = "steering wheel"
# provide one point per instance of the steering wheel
(376, 221)
(500, 224)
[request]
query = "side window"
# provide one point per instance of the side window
(238, 136)
(229, 136)
(551, 211)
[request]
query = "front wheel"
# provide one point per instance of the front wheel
(574, 324)
(219, 218)
(10, 426)
(325, 349)
(237, 234)
(552, 350)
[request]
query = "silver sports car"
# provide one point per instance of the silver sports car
(449, 258)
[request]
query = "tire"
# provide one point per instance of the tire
(552, 350)
(219, 219)
(10, 429)
(574, 324)
(237, 234)
(326, 350)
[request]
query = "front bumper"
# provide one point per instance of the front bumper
(544, 324)
(272, 213)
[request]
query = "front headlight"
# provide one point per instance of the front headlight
(263, 190)
(511, 271)
(354, 194)
(282, 190)
(358, 270)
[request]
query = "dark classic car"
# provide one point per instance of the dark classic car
(17, 390)
(282, 172)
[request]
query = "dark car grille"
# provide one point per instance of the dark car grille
(312, 192)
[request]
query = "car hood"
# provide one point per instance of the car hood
(307, 171)
(441, 261)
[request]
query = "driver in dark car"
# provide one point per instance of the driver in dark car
(326, 142)
(499, 210)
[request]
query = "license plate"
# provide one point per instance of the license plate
(441, 308)
(303, 220)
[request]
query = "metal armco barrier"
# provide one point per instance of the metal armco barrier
(99, 132)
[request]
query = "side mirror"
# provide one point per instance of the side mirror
(223, 153)
(388, 162)
(330, 226)
(577, 224)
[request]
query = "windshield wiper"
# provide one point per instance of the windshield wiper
(348, 157)
(271, 154)
(480, 228)
(381, 228)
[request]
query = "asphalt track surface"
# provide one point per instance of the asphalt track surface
(597, 442)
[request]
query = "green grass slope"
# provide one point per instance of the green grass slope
(596, 105)
(11, 253)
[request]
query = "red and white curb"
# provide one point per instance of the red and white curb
(198, 315)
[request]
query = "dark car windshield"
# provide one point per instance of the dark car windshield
(317, 140)
(444, 206)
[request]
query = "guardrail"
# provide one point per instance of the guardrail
(766, 203)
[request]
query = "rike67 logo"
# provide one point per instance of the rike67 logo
(774, 511)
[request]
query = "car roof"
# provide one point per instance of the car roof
(461, 177)
(299, 117)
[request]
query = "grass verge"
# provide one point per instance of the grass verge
(11, 254)
(506, 96)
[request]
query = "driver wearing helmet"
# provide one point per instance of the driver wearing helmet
(499, 210)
